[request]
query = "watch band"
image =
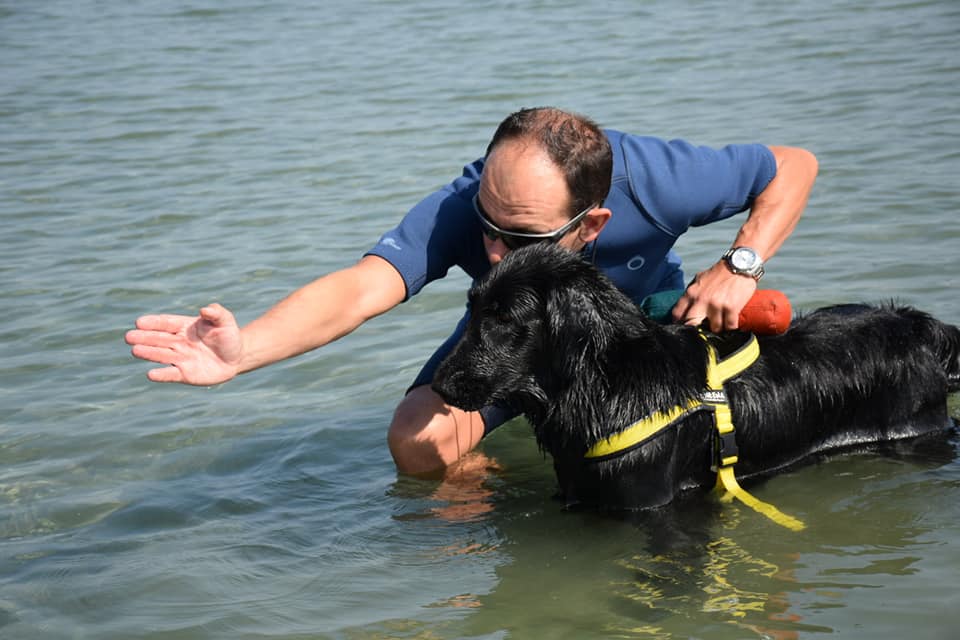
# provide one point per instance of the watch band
(744, 261)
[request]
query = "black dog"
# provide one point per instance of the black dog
(552, 337)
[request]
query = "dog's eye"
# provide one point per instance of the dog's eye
(500, 314)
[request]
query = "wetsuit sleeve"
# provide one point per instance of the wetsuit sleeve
(439, 232)
(679, 185)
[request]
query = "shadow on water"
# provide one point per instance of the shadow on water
(699, 568)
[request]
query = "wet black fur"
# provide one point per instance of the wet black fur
(551, 336)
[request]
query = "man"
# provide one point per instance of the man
(548, 176)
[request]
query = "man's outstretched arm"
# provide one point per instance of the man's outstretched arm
(211, 348)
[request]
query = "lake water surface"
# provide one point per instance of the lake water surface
(157, 156)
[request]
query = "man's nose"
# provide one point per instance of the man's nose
(496, 250)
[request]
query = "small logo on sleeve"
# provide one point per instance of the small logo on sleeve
(390, 242)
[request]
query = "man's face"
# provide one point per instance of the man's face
(522, 190)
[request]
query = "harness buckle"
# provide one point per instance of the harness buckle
(728, 451)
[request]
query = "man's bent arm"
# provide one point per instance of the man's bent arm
(717, 294)
(776, 211)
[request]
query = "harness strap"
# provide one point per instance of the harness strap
(728, 481)
(640, 431)
(719, 371)
(714, 398)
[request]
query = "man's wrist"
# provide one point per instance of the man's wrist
(744, 261)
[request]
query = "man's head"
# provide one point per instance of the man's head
(545, 166)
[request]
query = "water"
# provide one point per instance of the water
(160, 156)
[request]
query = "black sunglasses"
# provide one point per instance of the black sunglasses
(517, 239)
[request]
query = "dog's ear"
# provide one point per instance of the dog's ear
(574, 323)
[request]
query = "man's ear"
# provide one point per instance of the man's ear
(593, 224)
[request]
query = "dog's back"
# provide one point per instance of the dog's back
(844, 376)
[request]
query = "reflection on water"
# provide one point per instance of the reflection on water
(702, 568)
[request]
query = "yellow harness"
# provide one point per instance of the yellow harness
(714, 399)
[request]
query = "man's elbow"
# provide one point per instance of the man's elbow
(797, 161)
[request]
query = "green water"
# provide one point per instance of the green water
(157, 156)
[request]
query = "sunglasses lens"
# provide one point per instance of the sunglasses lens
(492, 234)
(514, 242)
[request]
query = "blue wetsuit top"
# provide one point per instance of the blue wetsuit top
(659, 189)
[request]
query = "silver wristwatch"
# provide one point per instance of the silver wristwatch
(744, 261)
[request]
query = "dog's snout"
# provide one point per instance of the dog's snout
(445, 387)
(457, 391)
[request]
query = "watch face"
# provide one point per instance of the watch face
(743, 259)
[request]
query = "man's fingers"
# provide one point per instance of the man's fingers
(168, 323)
(720, 320)
(681, 310)
(731, 319)
(166, 374)
(687, 312)
(151, 338)
(155, 354)
(214, 313)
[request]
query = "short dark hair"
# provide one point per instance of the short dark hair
(575, 144)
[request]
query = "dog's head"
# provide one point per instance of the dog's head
(535, 318)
